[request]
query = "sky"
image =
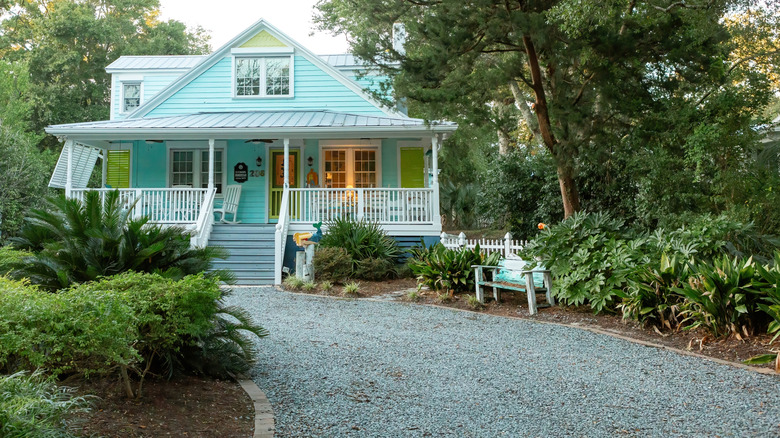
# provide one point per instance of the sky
(225, 19)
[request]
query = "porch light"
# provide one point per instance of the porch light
(260, 140)
(259, 161)
(310, 160)
(153, 141)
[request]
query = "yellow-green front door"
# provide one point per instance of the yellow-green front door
(276, 181)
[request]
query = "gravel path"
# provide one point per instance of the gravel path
(381, 369)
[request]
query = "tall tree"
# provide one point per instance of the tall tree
(582, 75)
(67, 45)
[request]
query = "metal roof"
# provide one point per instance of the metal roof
(253, 122)
(170, 62)
(174, 62)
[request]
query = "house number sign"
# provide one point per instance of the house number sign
(240, 173)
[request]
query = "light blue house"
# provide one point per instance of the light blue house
(187, 130)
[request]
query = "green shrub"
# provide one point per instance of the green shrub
(448, 270)
(474, 303)
(32, 406)
(651, 298)
(593, 258)
(413, 296)
(132, 322)
(362, 240)
(331, 263)
(293, 282)
(351, 289)
(309, 286)
(721, 297)
(374, 269)
(75, 242)
(769, 286)
(326, 286)
(10, 257)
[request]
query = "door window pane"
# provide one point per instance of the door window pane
(182, 171)
(335, 169)
(365, 168)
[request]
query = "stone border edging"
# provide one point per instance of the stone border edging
(264, 412)
(587, 328)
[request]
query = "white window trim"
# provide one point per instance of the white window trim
(122, 95)
(264, 54)
(196, 161)
(351, 147)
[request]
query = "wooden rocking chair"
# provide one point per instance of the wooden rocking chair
(230, 204)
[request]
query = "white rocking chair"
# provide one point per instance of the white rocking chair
(230, 204)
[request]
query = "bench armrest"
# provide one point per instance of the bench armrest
(486, 266)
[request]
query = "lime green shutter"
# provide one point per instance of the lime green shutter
(412, 168)
(118, 169)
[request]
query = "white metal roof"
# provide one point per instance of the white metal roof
(247, 123)
(170, 62)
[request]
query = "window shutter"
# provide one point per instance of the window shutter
(118, 169)
(412, 168)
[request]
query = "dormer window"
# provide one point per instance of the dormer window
(131, 96)
(263, 76)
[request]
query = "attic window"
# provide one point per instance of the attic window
(131, 96)
(263, 76)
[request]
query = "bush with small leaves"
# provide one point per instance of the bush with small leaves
(326, 286)
(374, 269)
(333, 264)
(474, 303)
(351, 289)
(293, 282)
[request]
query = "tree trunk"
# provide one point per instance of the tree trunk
(569, 193)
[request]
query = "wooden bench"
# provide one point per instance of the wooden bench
(514, 286)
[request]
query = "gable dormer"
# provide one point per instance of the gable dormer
(261, 69)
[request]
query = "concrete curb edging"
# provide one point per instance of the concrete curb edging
(264, 412)
(587, 328)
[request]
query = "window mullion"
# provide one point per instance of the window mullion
(262, 77)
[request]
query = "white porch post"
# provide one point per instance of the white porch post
(211, 164)
(286, 163)
(104, 168)
(435, 144)
(69, 169)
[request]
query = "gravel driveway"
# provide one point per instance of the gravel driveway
(387, 369)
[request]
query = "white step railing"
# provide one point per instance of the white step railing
(205, 223)
(385, 206)
(180, 206)
(280, 237)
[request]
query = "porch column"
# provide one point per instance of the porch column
(211, 164)
(286, 163)
(435, 145)
(104, 168)
(69, 169)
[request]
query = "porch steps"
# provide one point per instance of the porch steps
(251, 248)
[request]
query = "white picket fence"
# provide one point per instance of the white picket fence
(504, 246)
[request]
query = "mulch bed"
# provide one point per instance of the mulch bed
(182, 407)
(515, 305)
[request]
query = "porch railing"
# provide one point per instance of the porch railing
(280, 235)
(385, 206)
(180, 206)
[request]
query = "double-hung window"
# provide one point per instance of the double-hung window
(131, 96)
(350, 168)
(190, 168)
(263, 76)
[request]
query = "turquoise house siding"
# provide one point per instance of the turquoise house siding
(152, 84)
(313, 89)
(149, 168)
(389, 163)
(251, 207)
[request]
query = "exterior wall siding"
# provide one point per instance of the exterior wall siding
(313, 89)
(152, 84)
(390, 163)
(251, 206)
(149, 164)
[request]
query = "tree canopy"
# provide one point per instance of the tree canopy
(591, 82)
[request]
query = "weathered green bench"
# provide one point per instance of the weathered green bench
(509, 275)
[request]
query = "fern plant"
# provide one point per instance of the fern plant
(74, 242)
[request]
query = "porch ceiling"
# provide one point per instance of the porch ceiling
(250, 124)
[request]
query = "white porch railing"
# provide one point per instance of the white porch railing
(385, 206)
(504, 246)
(191, 208)
(179, 206)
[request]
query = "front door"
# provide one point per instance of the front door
(276, 181)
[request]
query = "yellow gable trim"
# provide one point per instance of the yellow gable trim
(263, 39)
